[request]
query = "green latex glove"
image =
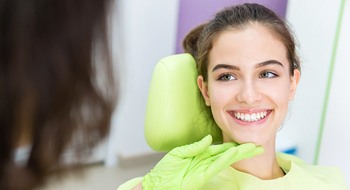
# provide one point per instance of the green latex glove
(191, 166)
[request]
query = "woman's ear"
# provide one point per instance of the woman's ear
(294, 83)
(203, 87)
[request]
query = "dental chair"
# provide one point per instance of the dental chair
(176, 113)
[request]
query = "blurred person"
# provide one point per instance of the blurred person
(57, 89)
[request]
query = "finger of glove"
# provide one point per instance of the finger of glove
(194, 149)
(222, 161)
(231, 156)
(218, 149)
(247, 150)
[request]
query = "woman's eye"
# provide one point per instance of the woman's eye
(268, 74)
(227, 77)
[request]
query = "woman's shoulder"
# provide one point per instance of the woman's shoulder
(330, 175)
(287, 158)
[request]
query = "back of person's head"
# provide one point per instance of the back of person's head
(56, 84)
(198, 42)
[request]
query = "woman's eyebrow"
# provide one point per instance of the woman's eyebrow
(224, 66)
(232, 67)
(269, 62)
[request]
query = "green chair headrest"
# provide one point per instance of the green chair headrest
(176, 113)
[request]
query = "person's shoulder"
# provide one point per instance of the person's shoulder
(289, 157)
(329, 175)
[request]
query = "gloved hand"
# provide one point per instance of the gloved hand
(189, 167)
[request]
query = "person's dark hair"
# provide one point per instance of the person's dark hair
(198, 42)
(56, 83)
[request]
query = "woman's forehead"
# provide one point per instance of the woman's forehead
(254, 43)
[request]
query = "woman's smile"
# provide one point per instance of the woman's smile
(247, 117)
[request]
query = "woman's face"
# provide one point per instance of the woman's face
(249, 84)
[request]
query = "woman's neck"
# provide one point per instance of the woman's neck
(264, 166)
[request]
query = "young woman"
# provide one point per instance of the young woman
(248, 73)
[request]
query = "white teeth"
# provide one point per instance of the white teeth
(253, 117)
(242, 116)
(250, 117)
(247, 117)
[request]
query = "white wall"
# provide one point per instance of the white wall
(334, 149)
(314, 23)
(148, 33)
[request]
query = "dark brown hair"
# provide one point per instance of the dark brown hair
(52, 54)
(198, 42)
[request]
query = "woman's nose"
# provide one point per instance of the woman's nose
(248, 93)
